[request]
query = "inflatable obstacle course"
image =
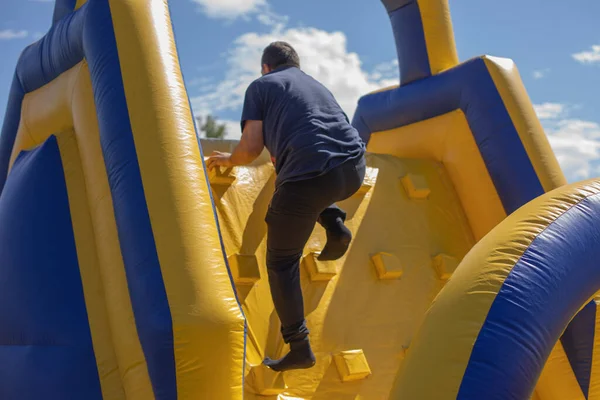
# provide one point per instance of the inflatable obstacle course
(130, 272)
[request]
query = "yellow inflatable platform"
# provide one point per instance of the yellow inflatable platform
(129, 272)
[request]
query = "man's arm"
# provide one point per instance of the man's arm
(248, 149)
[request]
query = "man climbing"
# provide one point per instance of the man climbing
(319, 160)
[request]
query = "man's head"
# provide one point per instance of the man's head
(279, 54)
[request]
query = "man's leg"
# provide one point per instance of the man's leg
(290, 221)
(338, 235)
(293, 213)
(347, 179)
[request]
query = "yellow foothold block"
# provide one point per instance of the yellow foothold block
(444, 266)
(352, 365)
(416, 186)
(319, 270)
(265, 382)
(220, 176)
(387, 265)
(244, 268)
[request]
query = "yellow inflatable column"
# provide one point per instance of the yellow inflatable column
(208, 325)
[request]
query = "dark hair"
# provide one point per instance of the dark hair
(278, 54)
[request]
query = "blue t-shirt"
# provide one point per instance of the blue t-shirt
(304, 128)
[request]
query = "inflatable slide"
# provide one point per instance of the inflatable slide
(128, 271)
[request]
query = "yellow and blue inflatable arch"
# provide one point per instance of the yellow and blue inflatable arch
(114, 283)
(491, 329)
(515, 299)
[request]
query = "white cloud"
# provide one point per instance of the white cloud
(576, 142)
(541, 73)
(577, 147)
(549, 110)
(229, 9)
(324, 55)
(9, 34)
(233, 9)
(589, 57)
(269, 18)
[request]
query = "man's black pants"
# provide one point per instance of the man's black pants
(294, 210)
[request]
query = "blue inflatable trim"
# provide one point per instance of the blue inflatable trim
(48, 340)
(411, 45)
(142, 268)
(527, 318)
(39, 64)
(578, 342)
(468, 87)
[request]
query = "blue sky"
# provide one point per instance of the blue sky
(348, 45)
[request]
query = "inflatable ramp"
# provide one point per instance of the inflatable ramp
(129, 272)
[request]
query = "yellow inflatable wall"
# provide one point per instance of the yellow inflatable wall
(130, 272)
(120, 288)
(410, 233)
